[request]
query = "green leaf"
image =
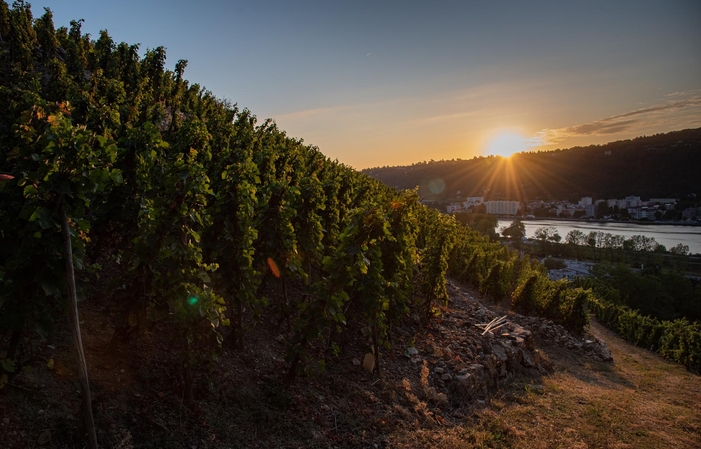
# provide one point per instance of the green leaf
(35, 215)
(30, 190)
(83, 225)
(116, 176)
(50, 289)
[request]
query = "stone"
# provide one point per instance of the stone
(500, 353)
(438, 370)
(446, 377)
(464, 383)
(477, 368)
(44, 438)
(369, 362)
(412, 351)
(356, 362)
(605, 354)
(527, 359)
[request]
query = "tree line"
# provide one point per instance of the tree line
(661, 166)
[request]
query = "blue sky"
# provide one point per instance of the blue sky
(388, 83)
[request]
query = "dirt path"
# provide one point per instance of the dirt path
(639, 401)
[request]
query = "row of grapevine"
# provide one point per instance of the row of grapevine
(495, 270)
(212, 216)
(678, 340)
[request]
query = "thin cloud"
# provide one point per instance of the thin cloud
(692, 92)
(605, 126)
(676, 111)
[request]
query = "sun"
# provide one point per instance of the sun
(506, 143)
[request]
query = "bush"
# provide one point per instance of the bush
(554, 264)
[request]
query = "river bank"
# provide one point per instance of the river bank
(511, 218)
(668, 235)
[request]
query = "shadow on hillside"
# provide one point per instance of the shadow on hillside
(583, 367)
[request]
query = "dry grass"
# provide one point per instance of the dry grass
(641, 401)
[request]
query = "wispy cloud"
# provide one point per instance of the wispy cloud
(674, 111)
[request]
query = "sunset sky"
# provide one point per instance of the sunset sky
(376, 83)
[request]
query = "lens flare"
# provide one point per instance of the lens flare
(273, 267)
(436, 186)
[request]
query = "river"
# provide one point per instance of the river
(665, 234)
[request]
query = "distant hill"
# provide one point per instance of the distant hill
(663, 165)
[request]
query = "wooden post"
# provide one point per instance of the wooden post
(72, 303)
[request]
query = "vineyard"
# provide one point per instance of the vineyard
(207, 218)
(677, 340)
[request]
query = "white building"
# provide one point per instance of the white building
(571, 272)
(642, 212)
(590, 210)
(633, 201)
(664, 201)
(454, 207)
(502, 207)
(473, 201)
(621, 204)
(586, 201)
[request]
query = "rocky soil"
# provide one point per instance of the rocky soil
(465, 361)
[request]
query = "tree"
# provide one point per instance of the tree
(576, 239)
(680, 249)
(546, 235)
(515, 231)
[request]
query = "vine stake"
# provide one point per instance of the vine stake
(75, 325)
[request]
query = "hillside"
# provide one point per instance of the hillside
(662, 166)
(571, 398)
(212, 282)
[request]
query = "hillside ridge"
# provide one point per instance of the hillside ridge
(663, 165)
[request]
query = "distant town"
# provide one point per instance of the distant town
(628, 208)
